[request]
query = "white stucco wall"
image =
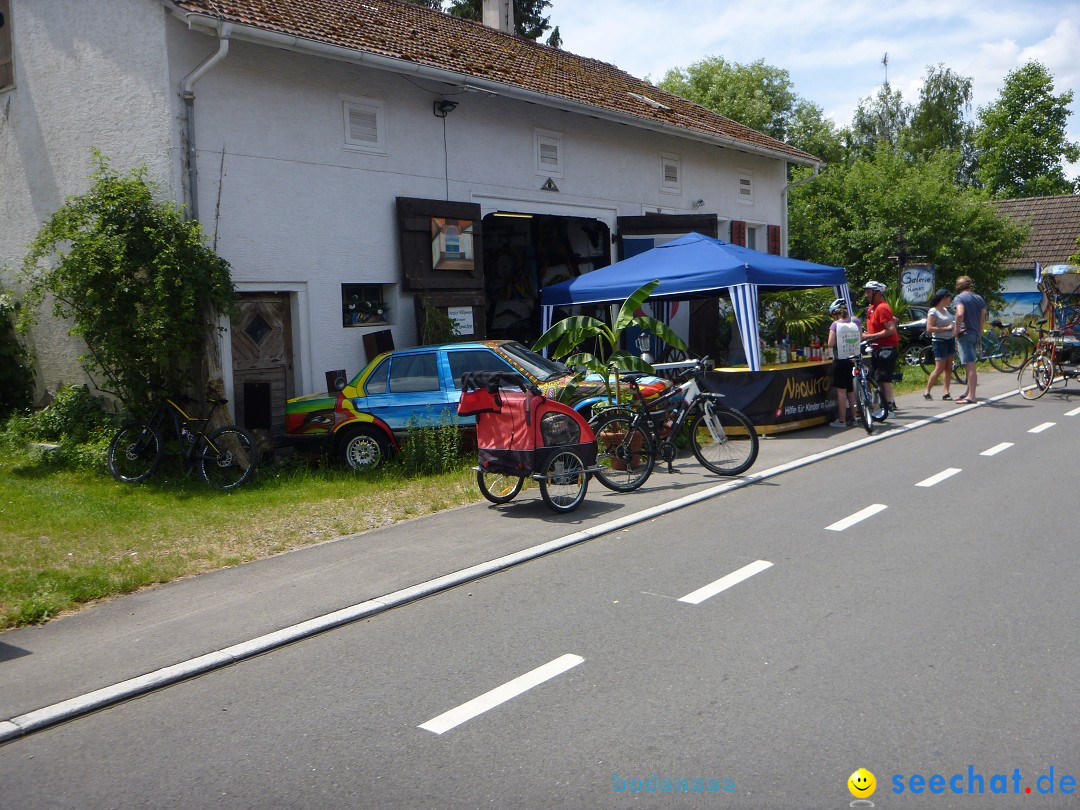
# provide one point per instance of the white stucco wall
(292, 208)
(87, 74)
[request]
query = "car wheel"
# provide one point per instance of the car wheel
(363, 449)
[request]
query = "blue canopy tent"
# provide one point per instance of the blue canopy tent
(696, 266)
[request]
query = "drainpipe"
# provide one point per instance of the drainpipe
(187, 93)
(784, 200)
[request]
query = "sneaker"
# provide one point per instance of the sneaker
(851, 423)
(837, 423)
(893, 408)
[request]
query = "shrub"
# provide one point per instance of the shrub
(16, 377)
(430, 449)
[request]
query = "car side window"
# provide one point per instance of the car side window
(474, 360)
(376, 383)
(410, 373)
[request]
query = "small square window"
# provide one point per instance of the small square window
(670, 174)
(549, 157)
(365, 125)
(364, 305)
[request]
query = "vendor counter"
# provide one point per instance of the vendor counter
(779, 397)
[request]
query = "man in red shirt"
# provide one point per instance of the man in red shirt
(884, 339)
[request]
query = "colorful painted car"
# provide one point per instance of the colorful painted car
(365, 422)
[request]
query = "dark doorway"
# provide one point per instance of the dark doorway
(524, 253)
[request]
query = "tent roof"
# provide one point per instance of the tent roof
(692, 266)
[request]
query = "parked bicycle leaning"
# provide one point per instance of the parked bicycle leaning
(225, 458)
(940, 324)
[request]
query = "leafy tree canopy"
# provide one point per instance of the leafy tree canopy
(850, 215)
(529, 19)
(1021, 137)
(134, 277)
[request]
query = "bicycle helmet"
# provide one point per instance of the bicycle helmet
(837, 305)
(874, 285)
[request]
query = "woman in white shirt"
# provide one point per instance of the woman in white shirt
(940, 324)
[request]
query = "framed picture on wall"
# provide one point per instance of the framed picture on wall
(452, 244)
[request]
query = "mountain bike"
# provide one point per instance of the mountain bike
(869, 404)
(225, 458)
(630, 437)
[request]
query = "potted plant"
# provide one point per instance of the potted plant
(570, 335)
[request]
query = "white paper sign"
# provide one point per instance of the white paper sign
(463, 320)
(917, 283)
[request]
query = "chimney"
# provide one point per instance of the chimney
(499, 14)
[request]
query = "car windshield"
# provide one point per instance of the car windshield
(535, 364)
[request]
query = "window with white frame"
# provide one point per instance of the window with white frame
(549, 153)
(670, 174)
(746, 188)
(365, 125)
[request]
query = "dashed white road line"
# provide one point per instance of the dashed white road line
(500, 694)
(859, 516)
(1042, 427)
(722, 584)
(937, 479)
(997, 448)
(1073, 412)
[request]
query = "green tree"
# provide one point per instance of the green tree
(849, 217)
(136, 280)
(1021, 137)
(882, 118)
(759, 96)
(940, 120)
(16, 376)
(529, 19)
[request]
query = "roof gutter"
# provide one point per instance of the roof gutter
(309, 46)
(187, 93)
(784, 200)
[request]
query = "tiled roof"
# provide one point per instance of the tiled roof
(1055, 225)
(417, 35)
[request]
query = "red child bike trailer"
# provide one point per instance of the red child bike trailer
(521, 433)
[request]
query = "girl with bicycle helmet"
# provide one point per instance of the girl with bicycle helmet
(844, 334)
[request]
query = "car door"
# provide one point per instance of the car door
(474, 359)
(410, 392)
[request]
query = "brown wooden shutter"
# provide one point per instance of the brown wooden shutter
(7, 50)
(738, 232)
(424, 268)
(774, 240)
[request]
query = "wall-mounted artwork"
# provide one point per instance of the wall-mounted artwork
(452, 244)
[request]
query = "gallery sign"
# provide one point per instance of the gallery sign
(917, 283)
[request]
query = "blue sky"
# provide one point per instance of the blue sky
(833, 50)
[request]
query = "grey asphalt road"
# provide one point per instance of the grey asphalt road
(934, 635)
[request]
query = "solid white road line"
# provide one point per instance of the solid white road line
(997, 448)
(861, 515)
(937, 479)
(722, 584)
(1042, 427)
(500, 694)
(1073, 412)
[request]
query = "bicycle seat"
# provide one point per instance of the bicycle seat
(633, 376)
(217, 401)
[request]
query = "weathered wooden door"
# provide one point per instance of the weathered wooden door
(262, 361)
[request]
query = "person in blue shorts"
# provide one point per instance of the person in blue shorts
(970, 323)
(939, 325)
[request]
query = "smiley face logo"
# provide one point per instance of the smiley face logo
(862, 783)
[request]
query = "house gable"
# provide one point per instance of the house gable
(1054, 223)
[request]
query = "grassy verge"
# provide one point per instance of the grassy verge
(69, 536)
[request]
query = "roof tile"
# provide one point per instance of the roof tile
(1055, 226)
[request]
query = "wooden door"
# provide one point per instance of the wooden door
(262, 361)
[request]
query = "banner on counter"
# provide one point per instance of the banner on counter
(795, 396)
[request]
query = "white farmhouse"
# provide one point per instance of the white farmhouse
(352, 158)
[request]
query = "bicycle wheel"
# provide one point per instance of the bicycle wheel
(1035, 376)
(227, 457)
(864, 406)
(926, 360)
(878, 408)
(565, 481)
(1012, 352)
(135, 452)
(497, 487)
(722, 438)
(959, 372)
(911, 355)
(624, 452)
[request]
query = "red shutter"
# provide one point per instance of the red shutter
(738, 232)
(774, 240)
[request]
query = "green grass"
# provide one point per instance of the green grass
(69, 537)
